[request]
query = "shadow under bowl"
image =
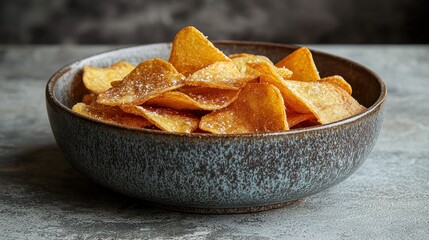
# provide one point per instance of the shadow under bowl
(209, 173)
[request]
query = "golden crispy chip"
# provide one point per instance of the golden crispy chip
(258, 108)
(295, 118)
(237, 55)
(89, 99)
(115, 83)
(307, 123)
(222, 75)
(110, 114)
(149, 79)
(301, 63)
(98, 80)
(198, 98)
(328, 102)
(246, 93)
(267, 73)
(166, 119)
(241, 61)
(247, 57)
(339, 81)
(192, 51)
(284, 72)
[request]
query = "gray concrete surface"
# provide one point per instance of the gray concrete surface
(43, 197)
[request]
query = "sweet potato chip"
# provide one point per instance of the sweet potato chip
(328, 102)
(301, 63)
(98, 80)
(192, 51)
(111, 114)
(295, 118)
(166, 119)
(339, 81)
(267, 74)
(258, 108)
(149, 79)
(222, 75)
(198, 98)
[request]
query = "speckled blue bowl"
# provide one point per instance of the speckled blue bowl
(215, 173)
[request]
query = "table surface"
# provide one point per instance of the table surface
(42, 196)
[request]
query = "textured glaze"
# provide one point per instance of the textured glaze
(201, 171)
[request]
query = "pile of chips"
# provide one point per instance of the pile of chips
(200, 89)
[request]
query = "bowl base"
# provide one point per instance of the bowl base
(221, 210)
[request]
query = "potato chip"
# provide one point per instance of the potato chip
(166, 119)
(110, 114)
(198, 98)
(284, 72)
(222, 75)
(149, 79)
(89, 99)
(115, 83)
(295, 118)
(242, 59)
(339, 81)
(258, 108)
(192, 51)
(246, 93)
(328, 102)
(307, 123)
(250, 57)
(267, 74)
(98, 80)
(238, 55)
(301, 63)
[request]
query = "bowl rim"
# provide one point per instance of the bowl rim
(52, 83)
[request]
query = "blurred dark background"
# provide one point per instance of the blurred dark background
(284, 21)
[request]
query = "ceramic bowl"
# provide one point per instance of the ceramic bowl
(215, 173)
